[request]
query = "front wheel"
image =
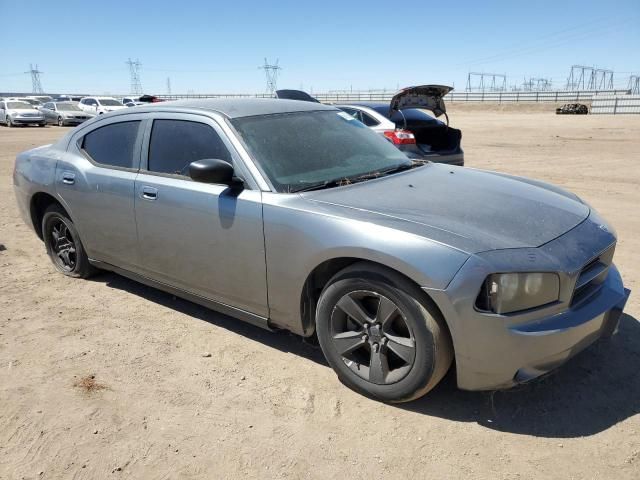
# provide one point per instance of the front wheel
(9, 122)
(380, 333)
(63, 244)
(60, 122)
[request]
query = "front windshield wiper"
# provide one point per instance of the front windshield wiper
(341, 181)
(336, 182)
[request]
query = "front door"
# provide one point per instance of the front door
(202, 238)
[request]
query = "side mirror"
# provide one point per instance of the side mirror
(213, 170)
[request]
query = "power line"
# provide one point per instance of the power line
(134, 73)
(36, 86)
(271, 72)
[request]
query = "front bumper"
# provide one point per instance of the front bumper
(27, 120)
(498, 351)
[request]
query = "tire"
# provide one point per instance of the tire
(394, 345)
(67, 252)
(60, 122)
(9, 123)
(42, 124)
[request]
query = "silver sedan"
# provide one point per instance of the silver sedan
(294, 215)
(64, 113)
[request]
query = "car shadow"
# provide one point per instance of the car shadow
(280, 340)
(592, 392)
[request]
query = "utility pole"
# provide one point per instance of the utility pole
(36, 86)
(168, 86)
(271, 72)
(134, 72)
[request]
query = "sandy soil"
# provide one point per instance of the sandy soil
(110, 379)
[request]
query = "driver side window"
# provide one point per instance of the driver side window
(174, 144)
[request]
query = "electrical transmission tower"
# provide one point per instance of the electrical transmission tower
(582, 77)
(134, 72)
(634, 85)
(36, 86)
(168, 86)
(537, 84)
(494, 82)
(271, 71)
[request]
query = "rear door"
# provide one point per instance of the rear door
(201, 238)
(96, 179)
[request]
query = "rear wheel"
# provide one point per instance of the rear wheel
(63, 244)
(381, 335)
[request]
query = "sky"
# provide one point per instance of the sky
(216, 47)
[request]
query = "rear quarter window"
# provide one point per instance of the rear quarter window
(113, 145)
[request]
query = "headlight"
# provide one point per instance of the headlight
(513, 292)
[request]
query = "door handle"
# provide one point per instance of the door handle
(68, 178)
(149, 193)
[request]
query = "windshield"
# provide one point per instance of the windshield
(109, 103)
(19, 106)
(299, 150)
(30, 101)
(68, 107)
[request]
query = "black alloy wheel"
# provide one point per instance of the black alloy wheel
(373, 337)
(382, 334)
(63, 245)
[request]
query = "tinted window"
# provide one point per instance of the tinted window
(368, 120)
(113, 144)
(176, 143)
(49, 106)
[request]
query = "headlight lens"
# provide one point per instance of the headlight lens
(513, 292)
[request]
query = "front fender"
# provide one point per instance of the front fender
(297, 240)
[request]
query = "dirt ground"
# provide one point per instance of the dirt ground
(110, 379)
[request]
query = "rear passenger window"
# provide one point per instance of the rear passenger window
(113, 144)
(176, 143)
(368, 120)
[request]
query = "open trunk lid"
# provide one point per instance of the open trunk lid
(429, 97)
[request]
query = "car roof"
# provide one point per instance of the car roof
(367, 104)
(244, 107)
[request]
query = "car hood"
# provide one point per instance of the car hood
(472, 210)
(26, 113)
(429, 97)
(111, 108)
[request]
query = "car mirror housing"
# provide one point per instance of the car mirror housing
(212, 170)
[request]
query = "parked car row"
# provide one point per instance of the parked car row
(63, 110)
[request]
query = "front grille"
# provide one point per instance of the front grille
(592, 276)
